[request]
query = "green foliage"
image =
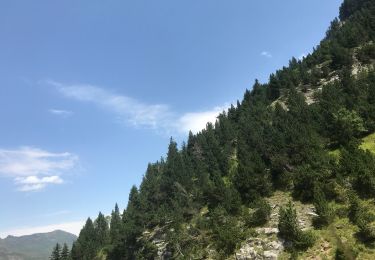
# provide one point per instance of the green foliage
(288, 222)
(260, 215)
(101, 231)
(348, 125)
(148, 251)
(349, 7)
(341, 57)
(304, 240)
(305, 181)
(339, 254)
(362, 217)
(323, 209)
(358, 167)
(115, 226)
(65, 254)
(366, 53)
(56, 253)
(220, 194)
(85, 248)
(289, 229)
(251, 179)
(227, 234)
(270, 139)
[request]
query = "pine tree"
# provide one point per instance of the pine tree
(65, 254)
(261, 215)
(115, 226)
(322, 207)
(85, 247)
(288, 222)
(101, 231)
(56, 253)
(290, 230)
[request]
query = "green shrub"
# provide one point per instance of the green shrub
(289, 229)
(366, 53)
(288, 225)
(361, 217)
(324, 211)
(261, 215)
(304, 240)
(339, 254)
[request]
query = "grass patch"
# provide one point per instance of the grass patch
(369, 143)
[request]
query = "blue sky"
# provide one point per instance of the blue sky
(91, 91)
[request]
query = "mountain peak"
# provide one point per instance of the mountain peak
(35, 246)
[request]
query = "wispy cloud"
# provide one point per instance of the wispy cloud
(33, 168)
(266, 54)
(137, 113)
(73, 227)
(60, 112)
(126, 108)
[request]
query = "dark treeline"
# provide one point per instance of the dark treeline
(272, 139)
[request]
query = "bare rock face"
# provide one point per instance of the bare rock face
(261, 248)
(247, 252)
(270, 255)
(270, 231)
(276, 245)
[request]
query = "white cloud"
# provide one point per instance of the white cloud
(266, 54)
(73, 227)
(33, 168)
(198, 120)
(60, 112)
(33, 183)
(302, 56)
(132, 111)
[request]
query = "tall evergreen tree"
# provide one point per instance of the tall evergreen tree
(65, 254)
(101, 231)
(115, 226)
(85, 247)
(56, 253)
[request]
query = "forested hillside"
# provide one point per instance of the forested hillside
(292, 147)
(33, 247)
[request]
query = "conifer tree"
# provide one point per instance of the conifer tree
(101, 231)
(56, 253)
(322, 207)
(85, 247)
(65, 254)
(115, 226)
(288, 222)
(290, 230)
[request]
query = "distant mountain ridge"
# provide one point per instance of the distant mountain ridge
(33, 247)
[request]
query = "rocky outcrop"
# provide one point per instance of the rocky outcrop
(266, 244)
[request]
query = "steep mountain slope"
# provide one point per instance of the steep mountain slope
(33, 247)
(281, 174)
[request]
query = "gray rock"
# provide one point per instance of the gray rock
(246, 252)
(270, 231)
(312, 214)
(270, 255)
(275, 245)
